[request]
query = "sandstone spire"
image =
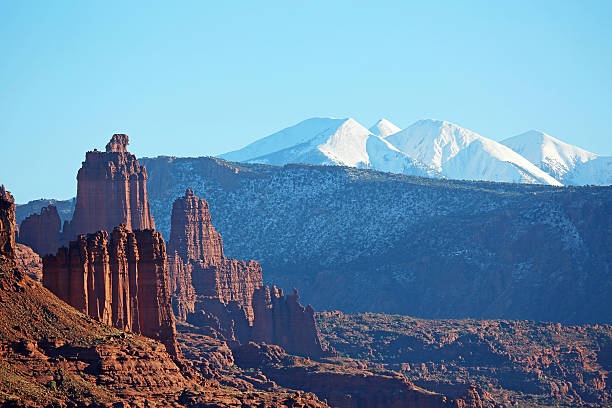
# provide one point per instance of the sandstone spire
(8, 227)
(112, 190)
(227, 295)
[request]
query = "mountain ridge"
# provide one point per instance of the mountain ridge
(428, 147)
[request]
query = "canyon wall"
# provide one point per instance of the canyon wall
(112, 190)
(119, 279)
(8, 227)
(41, 232)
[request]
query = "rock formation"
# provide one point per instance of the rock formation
(281, 320)
(199, 271)
(120, 280)
(112, 190)
(210, 290)
(41, 232)
(29, 261)
(7, 224)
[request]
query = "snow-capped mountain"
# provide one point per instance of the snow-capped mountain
(313, 141)
(329, 141)
(431, 148)
(458, 153)
(597, 172)
(555, 157)
(384, 128)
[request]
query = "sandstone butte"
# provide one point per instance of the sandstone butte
(120, 280)
(228, 295)
(111, 190)
(41, 232)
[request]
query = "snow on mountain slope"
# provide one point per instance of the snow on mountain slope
(314, 141)
(597, 171)
(331, 141)
(458, 153)
(555, 157)
(384, 128)
(386, 157)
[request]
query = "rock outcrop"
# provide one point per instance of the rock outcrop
(41, 232)
(29, 261)
(112, 190)
(281, 320)
(211, 290)
(8, 227)
(118, 279)
(200, 275)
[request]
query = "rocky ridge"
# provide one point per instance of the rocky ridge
(425, 247)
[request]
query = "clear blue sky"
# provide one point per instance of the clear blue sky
(202, 78)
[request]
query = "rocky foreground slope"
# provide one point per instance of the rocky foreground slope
(417, 246)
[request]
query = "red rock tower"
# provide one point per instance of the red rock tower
(112, 190)
(119, 279)
(199, 271)
(7, 224)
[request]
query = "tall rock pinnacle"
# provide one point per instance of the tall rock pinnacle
(112, 190)
(8, 226)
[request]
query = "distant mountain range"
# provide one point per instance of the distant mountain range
(431, 148)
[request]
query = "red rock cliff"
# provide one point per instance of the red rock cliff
(41, 232)
(119, 280)
(112, 189)
(281, 320)
(199, 271)
(227, 295)
(8, 227)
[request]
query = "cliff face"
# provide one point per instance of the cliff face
(7, 224)
(119, 280)
(199, 271)
(210, 290)
(112, 190)
(41, 232)
(281, 320)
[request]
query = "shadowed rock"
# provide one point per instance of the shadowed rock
(41, 232)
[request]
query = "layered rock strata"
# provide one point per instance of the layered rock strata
(211, 290)
(118, 279)
(200, 274)
(8, 227)
(112, 190)
(41, 232)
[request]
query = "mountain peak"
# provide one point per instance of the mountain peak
(548, 153)
(384, 128)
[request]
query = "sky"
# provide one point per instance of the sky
(203, 78)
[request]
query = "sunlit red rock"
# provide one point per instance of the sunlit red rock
(118, 279)
(112, 190)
